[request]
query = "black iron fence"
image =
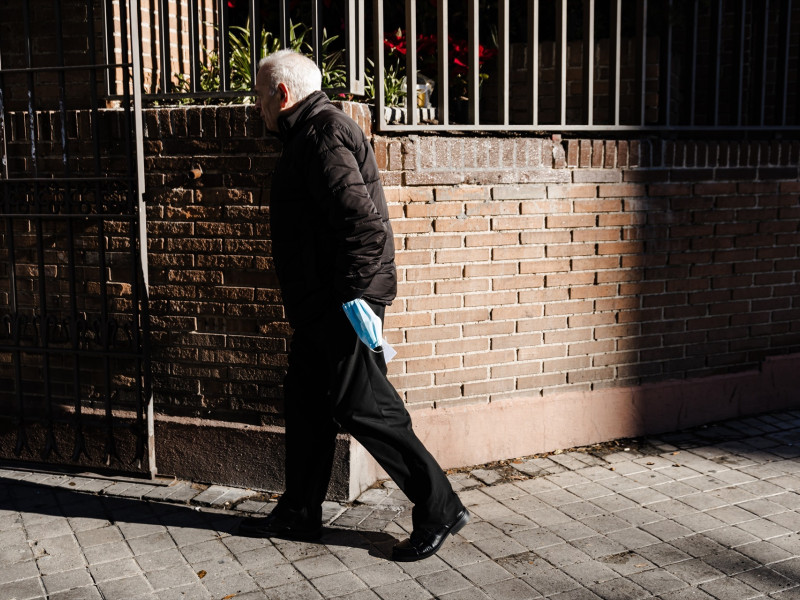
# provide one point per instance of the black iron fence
(594, 65)
(74, 360)
(201, 50)
(559, 65)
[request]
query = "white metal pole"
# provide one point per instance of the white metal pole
(138, 127)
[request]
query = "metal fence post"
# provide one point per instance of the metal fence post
(140, 180)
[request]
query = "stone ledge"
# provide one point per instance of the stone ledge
(469, 434)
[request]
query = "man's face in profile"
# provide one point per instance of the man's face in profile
(267, 103)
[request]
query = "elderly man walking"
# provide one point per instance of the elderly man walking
(333, 249)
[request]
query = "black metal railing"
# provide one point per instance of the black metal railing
(74, 354)
(200, 50)
(559, 65)
(589, 65)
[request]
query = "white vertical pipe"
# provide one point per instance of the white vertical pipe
(138, 127)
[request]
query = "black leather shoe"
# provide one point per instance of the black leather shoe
(281, 524)
(426, 543)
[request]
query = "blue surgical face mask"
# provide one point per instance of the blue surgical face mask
(365, 322)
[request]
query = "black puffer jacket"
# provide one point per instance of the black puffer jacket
(331, 237)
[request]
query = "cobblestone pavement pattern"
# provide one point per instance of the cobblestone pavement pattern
(712, 513)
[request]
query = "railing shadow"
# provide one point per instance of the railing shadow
(138, 517)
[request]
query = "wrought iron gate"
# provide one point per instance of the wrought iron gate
(75, 385)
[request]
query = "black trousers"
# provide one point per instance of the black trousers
(335, 381)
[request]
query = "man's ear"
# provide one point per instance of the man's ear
(284, 92)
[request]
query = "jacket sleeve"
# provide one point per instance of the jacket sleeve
(355, 223)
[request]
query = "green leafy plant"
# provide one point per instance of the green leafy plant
(240, 64)
(394, 84)
(209, 80)
(333, 72)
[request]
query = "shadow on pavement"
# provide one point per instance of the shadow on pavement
(137, 517)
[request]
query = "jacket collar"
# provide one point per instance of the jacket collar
(305, 109)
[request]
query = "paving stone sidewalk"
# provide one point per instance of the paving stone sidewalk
(712, 513)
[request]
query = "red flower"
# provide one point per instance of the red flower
(427, 47)
(396, 42)
(460, 53)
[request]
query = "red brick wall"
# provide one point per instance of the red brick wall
(526, 266)
(76, 29)
(219, 341)
(533, 266)
(177, 36)
(43, 20)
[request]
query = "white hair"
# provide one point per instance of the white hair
(297, 72)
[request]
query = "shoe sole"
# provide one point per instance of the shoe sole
(457, 526)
